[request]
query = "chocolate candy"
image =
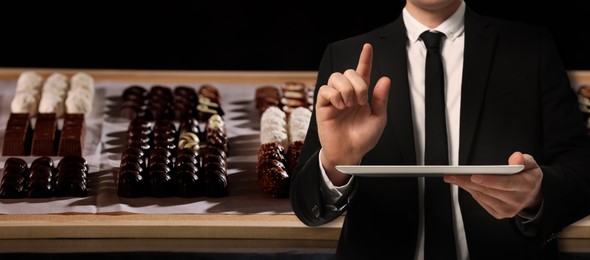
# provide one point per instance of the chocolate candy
(160, 184)
(40, 189)
(12, 190)
(274, 181)
(216, 183)
(272, 173)
(188, 184)
(73, 131)
(17, 138)
(130, 184)
(44, 135)
(134, 103)
(266, 96)
(71, 177)
(293, 156)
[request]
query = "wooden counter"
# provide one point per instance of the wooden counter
(128, 232)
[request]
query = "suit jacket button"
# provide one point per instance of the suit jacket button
(316, 211)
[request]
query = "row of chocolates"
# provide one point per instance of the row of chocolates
(44, 180)
(285, 114)
(20, 139)
(281, 138)
(160, 161)
(147, 163)
(289, 96)
(163, 103)
(58, 94)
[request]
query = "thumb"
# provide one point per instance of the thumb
(517, 158)
(380, 97)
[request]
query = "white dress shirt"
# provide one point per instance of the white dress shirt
(452, 56)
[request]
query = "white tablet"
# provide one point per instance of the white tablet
(428, 170)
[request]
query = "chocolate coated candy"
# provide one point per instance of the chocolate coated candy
(185, 91)
(12, 190)
(43, 161)
(40, 189)
(160, 184)
(160, 167)
(187, 167)
(189, 125)
(67, 188)
(188, 184)
(16, 165)
(187, 158)
(134, 91)
(72, 158)
(12, 177)
(275, 182)
(132, 158)
(161, 151)
(40, 172)
(133, 151)
(130, 184)
(216, 184)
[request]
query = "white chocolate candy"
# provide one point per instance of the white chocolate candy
(25, 102)
(274, 135)
(51, 103)
(78, 102)
(298, 124)
(83, 81)
(54, 94)
(300, 113)
(57, 84)
(29, 81)
(28, 93)
(273, 121)
(273, 111)
(81, 94)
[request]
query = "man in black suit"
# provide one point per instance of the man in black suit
(508, 101)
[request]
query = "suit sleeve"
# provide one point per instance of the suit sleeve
(306, 194)
(566, 168)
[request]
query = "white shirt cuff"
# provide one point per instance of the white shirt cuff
(332, 193)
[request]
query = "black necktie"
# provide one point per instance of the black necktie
(439, 241)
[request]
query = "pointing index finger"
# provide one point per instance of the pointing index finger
(365, 60)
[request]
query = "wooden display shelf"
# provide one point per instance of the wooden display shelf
(215, 226)
(145, 231)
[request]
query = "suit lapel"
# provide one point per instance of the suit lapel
(390, 56)
(480, 42)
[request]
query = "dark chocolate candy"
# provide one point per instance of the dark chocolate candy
(40, 189)
(188, 184)
(45, 160)
(216, 184)
(12, 190)
(70, 188)
(159, 184)
(130, 184)
(275, 182)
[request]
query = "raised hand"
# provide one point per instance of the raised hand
(348, 126)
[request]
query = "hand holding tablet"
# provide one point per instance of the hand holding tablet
(428, 170)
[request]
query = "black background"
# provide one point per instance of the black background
(223, 35)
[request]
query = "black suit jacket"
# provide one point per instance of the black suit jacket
(516, 96)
